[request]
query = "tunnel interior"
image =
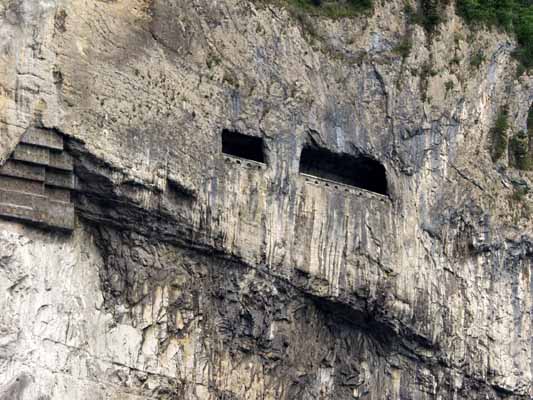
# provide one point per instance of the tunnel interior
(359, 171)
(243, 146)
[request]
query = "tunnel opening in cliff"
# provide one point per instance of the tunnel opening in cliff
(243, 146)
(359, 171)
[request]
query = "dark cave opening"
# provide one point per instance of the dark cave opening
(359, 171)
(243, 146)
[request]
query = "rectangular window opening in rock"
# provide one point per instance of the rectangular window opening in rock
(357, 171)
(243, 146)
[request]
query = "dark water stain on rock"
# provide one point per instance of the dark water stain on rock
(16, 388)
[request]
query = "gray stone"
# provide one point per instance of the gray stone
(189, 274)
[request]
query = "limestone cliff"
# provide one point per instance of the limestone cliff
(188, 273)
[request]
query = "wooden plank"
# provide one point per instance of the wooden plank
(59, 215)
(61, 161)
(32, 154)
(21, 185)
(20, 213)
(60, 179)
(23, 170)
(48, 214)
(44, 138)
(58, 194)
(20, 199)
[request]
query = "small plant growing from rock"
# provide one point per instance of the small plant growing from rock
(449, 85)
(477, 59)
(519, 147)
(429, 13)
(404, 47)
(330, 8)
(499, 134)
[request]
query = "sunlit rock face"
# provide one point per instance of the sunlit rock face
(261, 206)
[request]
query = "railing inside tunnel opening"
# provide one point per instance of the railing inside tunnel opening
(359, 172)
(246, 147)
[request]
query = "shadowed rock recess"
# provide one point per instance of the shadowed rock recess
(235, 199)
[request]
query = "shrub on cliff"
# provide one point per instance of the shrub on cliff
(514, 16)
(519, 149)
(499, 135)
(332, 8)
(521, 146)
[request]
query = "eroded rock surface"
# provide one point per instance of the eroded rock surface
(191, 274)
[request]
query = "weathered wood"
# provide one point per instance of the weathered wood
(58, 194)
(58, 214)
(60, 179)
(35, 183)
(21, 185)
(23, 170)
(61, 161)
(20, 199)
(44, 138)
(32, 154)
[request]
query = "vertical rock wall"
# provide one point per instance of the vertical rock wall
(192, 274)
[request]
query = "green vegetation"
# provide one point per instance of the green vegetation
(404, 47)
(530, 122)
(519, 197)
(431, 12)
(477, 59)
(303, 11)
(455, 61)
(522, 146)
(519, 193)
(514, 16)
(449, 85)
(231, 79)
(428, 14)
(329, 8)
(212, 61)
(499, 135)
(519, 148)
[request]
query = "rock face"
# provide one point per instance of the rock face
(196, 274)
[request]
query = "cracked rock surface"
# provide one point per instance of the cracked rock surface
(192, 275)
